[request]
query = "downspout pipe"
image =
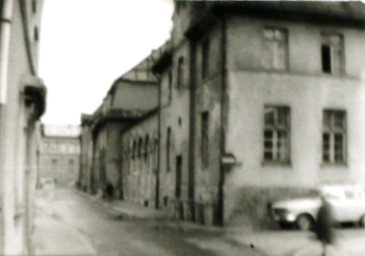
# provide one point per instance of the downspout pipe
(157, 201)
(6, 243)
(224, 112)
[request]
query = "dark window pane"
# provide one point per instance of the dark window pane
(269, 118)
(283, 117)
(326, 58)
(339, 148)
(339, 119)
(268, 145)
(268, 155)
(268, 134)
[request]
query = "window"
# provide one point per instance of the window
(52, 148)
(180, 72)
(205, 138)
(63, 148)
(146, 146)
(34, 6)
(205, 59)
(170, 86)
(155, 154)
(54, 165)
(168, 148)
(36, 36)
(134, 149)
(140, 147)
(332, 54)
(45, 147)
(275, 49)
(71, 149)
(71, 164)
(276, 134)
(334, 136)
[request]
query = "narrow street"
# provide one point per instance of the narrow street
(68, 223)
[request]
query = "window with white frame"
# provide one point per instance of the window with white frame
(332, 53)
(276, 134)
(334, 136)
(275, 49)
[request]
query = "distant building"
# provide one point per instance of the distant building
(59, 153)
(22, 102)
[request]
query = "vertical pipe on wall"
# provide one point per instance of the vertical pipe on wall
(6, 179)
(224, 112)
(192, 92)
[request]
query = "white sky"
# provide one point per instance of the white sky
(86, 44)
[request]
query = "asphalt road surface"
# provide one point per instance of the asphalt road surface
(69, 223)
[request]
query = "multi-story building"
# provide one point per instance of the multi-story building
(276, 94)
(257, 101)
(22, 102)
(59, 153)
(130, 97)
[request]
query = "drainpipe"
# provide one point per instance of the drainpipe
(224, 110)
(157, 195)
(5, 232)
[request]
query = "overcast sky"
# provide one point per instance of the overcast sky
(87, 44)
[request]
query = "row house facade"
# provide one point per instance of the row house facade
(258, 101)
(59, 153)
(131, 96)
(22, 102)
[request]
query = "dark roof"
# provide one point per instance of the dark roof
(346, 13)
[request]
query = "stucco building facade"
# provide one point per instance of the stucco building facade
(257, 101)
(130, 97)
(22, 102)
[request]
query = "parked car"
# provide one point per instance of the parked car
(347, 202)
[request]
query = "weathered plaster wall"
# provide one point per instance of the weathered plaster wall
(139, 169)
(175, 115)
(135, 96)
(113, 154)
(244, 45)
(307, 92)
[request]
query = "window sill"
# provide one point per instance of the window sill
(335, 165)
(278, 164)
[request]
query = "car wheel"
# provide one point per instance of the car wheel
(304, 222)
(362, 221)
